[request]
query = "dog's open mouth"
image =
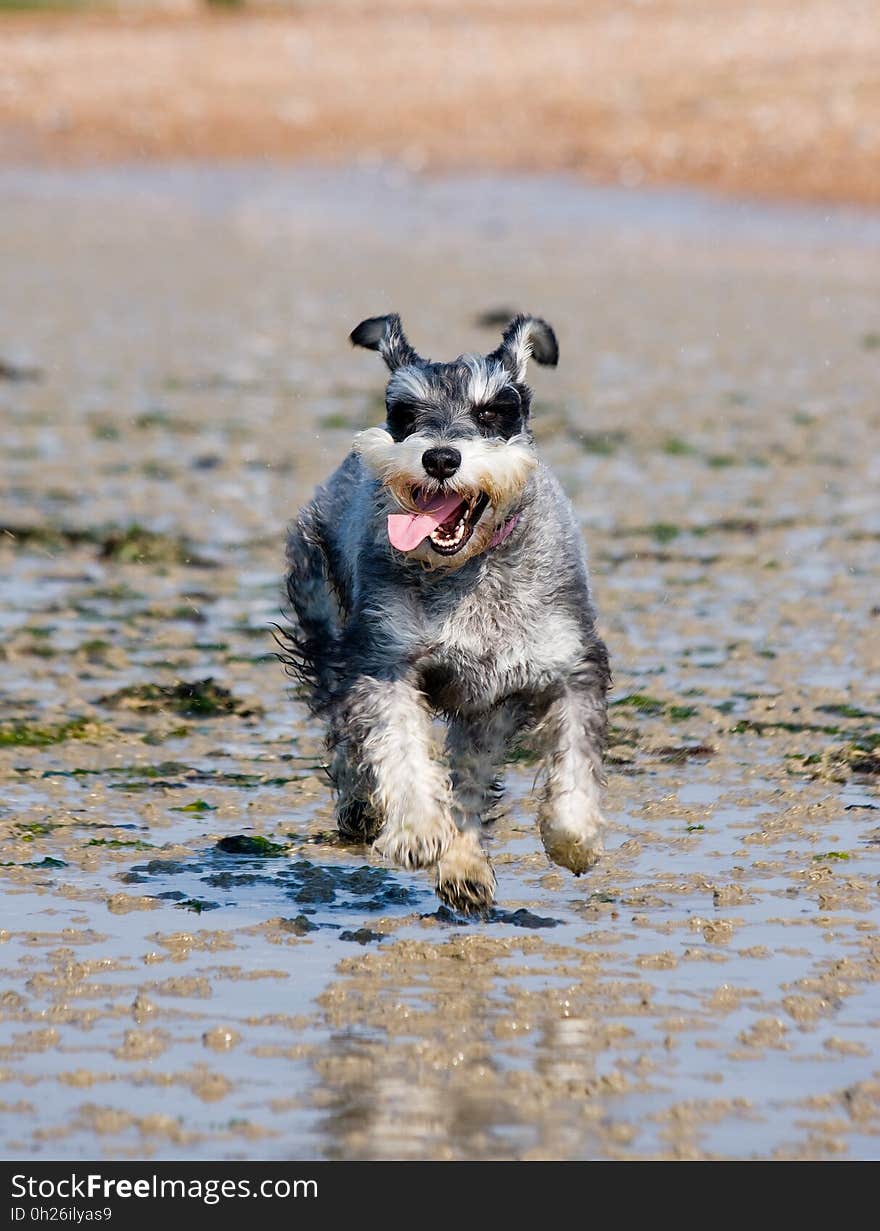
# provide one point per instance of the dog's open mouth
(452, 534)
(447, 521)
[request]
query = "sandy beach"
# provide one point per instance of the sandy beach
(774, 99)
(192, 965)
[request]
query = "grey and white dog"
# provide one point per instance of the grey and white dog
(440, 572)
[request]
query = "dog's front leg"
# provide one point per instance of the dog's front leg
(386, 725)
(476, 747)
(574, 732)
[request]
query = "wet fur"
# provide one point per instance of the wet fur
(499, 640)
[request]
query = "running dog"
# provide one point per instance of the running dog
(440, 571)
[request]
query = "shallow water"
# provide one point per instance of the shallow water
(710, 990)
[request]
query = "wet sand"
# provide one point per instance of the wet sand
(176, 381)
(770, 98)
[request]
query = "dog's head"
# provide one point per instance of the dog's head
(455, 454)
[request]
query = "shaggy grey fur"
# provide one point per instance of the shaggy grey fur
(499, 637)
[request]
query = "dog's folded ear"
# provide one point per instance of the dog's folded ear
(385, 334)
(524, 338)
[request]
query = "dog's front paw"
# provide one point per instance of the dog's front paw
(465, 880)
(416, 846)
(576, 847)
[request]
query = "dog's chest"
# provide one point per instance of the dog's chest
(483, 645)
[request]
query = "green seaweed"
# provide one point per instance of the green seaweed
(119, 592)
(158, 779)
(104, 430)
(123, 544)
(676, 447)
(362, 936)
(738, 525)
(760, 728)
(253, 845)
(860, 756)
(156, 417)
(66, 773)
(136, 545)
(848, 711)
(337, 421)
(191, 699)
(198, 805)
(27, 831)
(183, 612)
(663, 531)
(163, 770)
(155, 470)
(38, 649)
(36, 735)
(161, 737)
(257, 632)
(601, 444)
(679, 755)
(95, 649)
(197, 905)
(642, 702)
(299, 925)
(868, 742)
(116, 844)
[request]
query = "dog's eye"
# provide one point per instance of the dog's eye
(401, 419)
(503, 411)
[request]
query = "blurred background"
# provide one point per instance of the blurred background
(197, 204)
(758, 97)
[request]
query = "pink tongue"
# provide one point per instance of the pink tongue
(407, 530)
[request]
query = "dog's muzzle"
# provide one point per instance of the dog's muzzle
(448, 520)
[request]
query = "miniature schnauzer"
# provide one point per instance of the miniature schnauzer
(440, 571)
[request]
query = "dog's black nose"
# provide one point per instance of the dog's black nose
(442, 462)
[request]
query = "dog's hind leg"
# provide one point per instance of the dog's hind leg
(355, 817)
(573, 730)
(476, 747)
